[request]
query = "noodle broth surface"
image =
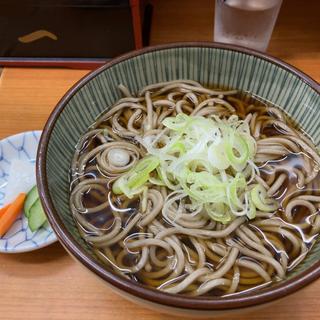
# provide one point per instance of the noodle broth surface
(156, 237)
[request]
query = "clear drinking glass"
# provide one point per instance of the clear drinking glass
(247, 23)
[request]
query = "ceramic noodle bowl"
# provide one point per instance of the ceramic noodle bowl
(253, 74)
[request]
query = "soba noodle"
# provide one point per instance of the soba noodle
(156, 237)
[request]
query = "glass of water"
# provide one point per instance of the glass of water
(248, 23)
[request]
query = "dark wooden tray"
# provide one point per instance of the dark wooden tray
(71, 33)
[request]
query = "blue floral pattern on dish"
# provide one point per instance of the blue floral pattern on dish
(20, 238)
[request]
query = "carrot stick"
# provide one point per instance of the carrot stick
(4, 209)
(11, 213)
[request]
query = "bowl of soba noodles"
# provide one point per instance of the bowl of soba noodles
(186, 177)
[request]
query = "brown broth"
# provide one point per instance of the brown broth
(275, 243)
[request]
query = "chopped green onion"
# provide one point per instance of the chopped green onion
(131, 182)
(261, 201)
(210, 160)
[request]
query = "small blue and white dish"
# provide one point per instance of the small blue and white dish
(17, 174)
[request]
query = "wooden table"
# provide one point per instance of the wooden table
(48, 284)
